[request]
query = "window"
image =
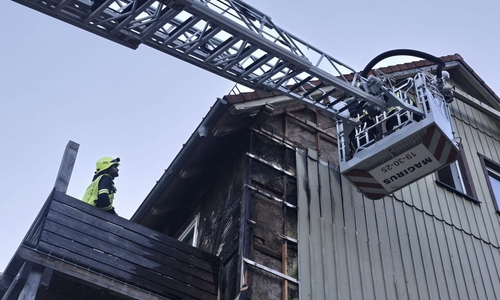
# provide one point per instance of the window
(456, 177)
(492, 173)
(190, 234)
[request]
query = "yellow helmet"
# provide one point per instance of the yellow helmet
(106, 162)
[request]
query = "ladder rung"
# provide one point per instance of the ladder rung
(257, 64)
(242, 54)
(276, 69)
(314, 89)
(160, 22)
(224, 46)
(322, 97)
(288, 77)
(209, 34)
(181, 29)
(350, 104)
(341, 99)
(300, 83)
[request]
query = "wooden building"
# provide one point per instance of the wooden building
(257, 194)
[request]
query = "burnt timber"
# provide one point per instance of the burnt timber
(76, 251)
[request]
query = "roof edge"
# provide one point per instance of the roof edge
(182, 157)
(257, 95)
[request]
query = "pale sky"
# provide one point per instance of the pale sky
(61, 83)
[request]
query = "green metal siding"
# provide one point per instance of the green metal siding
(424, 242)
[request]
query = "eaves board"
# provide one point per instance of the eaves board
(205, 152)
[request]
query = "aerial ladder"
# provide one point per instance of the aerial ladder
(236, 41)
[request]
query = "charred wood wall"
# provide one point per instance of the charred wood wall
(272, 265)
(219, 209)
(272, 255)
(248, 217)
(220, 218)
(305, 129)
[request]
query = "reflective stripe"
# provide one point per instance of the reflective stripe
(103, 191)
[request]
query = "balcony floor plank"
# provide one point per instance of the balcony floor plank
(103, 282)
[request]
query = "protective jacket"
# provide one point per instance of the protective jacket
(101, 192)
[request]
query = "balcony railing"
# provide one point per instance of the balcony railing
(112, 253)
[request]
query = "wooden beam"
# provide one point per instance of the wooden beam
(66, 167)
(481, 87)
(47, 277)
(32, 283)
(124, 290)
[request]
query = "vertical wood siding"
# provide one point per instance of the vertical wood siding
(423, 242)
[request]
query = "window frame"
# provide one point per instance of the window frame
(462, 167)
(488, 164)
(193, 226)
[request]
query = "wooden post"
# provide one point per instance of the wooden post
(47, 277)
(17, 283)
(66, 167)
(32, 283)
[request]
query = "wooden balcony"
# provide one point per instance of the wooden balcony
(76, 251)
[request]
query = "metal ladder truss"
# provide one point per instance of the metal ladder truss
(228, 38)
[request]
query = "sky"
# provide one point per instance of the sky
(61, 83)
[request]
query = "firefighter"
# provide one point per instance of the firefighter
(367, 116)
(393, 123)
(101, 191)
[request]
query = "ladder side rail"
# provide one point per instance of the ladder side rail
(76, 20)
(234, 58)
(270, 39)
(285, 53)
(235, 72)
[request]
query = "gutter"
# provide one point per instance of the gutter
(182, 157)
